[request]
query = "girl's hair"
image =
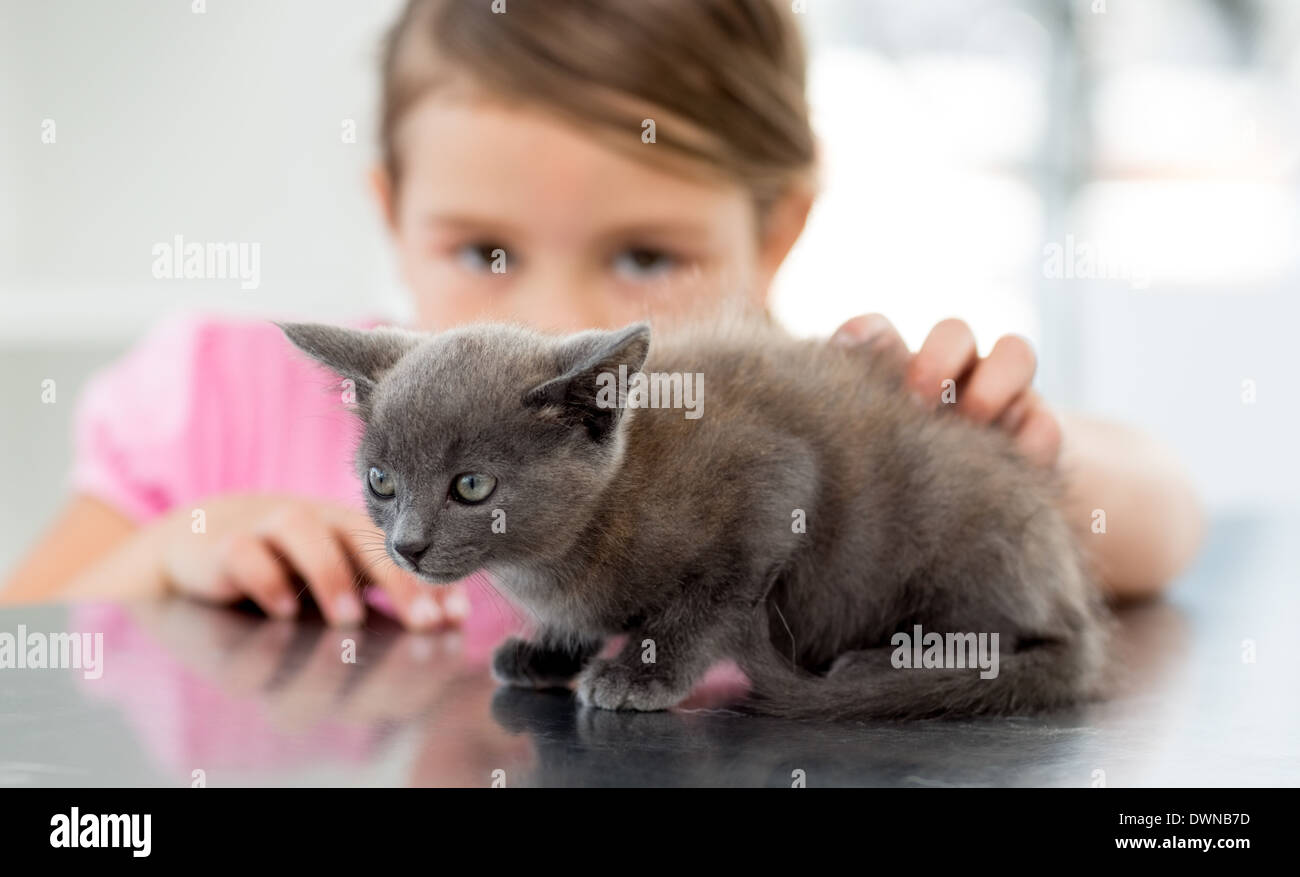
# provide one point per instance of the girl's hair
(722, 80)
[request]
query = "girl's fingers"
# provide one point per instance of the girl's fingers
(995, 391)
(946, 355)
(413, 600)
(1013, 417)
(1034, 427)
(875, 334)
(251, 567)
(455, 602)
(872, 329)
(998, 380)
(419, 605)
(312, 548)
(197, 574)
(1039, 435)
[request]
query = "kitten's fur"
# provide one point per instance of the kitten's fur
(680, 531)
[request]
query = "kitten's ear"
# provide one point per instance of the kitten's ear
(587, 393)
(362, 355)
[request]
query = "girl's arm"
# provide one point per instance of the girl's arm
(85, 531)
(1133, 507)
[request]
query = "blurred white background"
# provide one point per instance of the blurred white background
(965, 141)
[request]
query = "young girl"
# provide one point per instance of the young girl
(564, 164)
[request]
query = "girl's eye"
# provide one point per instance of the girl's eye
(483, 256)
(380, 484)
(641, 263)
(472, 487)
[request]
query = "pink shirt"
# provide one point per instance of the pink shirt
(208, 405)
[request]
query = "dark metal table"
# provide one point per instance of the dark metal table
(1211, 696)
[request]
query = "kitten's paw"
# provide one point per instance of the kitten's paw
(528, 665)
(612, 685)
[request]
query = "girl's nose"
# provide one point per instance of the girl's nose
(563, 304)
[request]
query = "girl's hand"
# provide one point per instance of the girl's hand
(995, 390)
(271, 548)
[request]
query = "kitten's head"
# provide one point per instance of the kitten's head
(488, 445)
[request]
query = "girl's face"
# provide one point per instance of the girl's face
(505, 214)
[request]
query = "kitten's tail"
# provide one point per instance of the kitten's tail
(866, 684)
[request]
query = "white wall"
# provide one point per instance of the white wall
(222, 126)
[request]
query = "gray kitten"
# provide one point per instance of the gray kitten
(812, 516)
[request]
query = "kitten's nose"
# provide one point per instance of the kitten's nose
(412, 551)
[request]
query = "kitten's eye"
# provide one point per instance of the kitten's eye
(643, 263)
(482, 256)
(473, 487)
(380, 484)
